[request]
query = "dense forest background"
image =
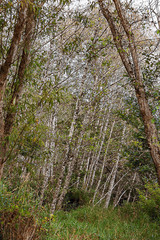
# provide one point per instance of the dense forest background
(79, 108)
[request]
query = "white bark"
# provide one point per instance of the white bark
(80, 169)
(68, 158)
(101, 146)
(86, 170)
(129, 195)
(63, 167)
(104, 162)
(70, 168)
(111, 186)
(49, 162)
(94, 157)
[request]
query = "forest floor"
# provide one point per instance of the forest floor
(87, 223)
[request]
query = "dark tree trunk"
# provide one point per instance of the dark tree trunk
(134, 72)
(25, 22)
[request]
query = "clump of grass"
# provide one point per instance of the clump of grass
(125, 223)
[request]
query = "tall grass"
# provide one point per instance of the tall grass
(87, 223)
(130, 222)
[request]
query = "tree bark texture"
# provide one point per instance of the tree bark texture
(25, 22)
(134, 72)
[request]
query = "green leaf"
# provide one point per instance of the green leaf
(158, 31)
(152, 121)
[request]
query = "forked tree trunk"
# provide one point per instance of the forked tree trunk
(134, 72)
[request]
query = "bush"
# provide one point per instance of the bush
(149, 201)
(75, 198)
(21, 217)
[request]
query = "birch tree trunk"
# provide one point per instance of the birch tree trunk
(106, 182)
(49, 162)
(95, 157)
(101, 146)
(130, 191)
(90, 159)
(118, 192)
(104, 161)
(71, 164)
(69, 159)
(111, 185)
(86, 170)
(66, 158)
(80, 169)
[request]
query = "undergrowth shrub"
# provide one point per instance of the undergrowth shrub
(75, 198)
(21, 217)
(16, 227)
(149, 201)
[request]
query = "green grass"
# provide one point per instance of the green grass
(87, 223)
